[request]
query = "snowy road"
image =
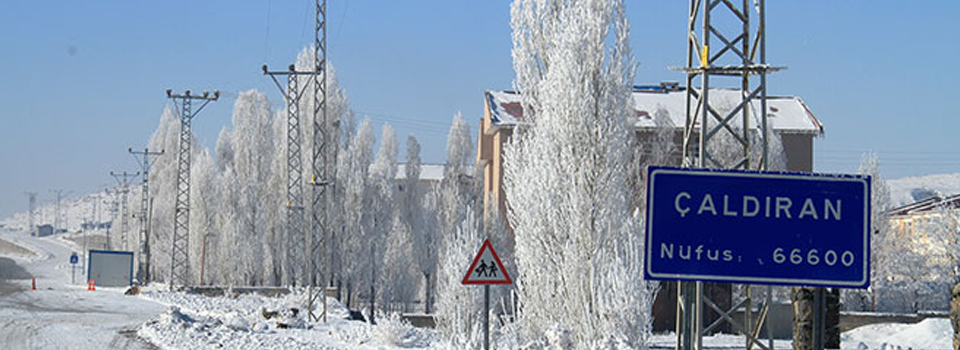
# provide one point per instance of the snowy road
(63, 316)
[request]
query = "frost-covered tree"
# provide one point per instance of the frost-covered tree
(459, 311)
(252, 145)
(354, 181)
(886, 248)
(414, 215)
(577, 248)
(459, 188)
(380, 208)
(205, 200)
(278, 264)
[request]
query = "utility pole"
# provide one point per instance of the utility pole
(324, 159)
(58, 215)
(179, 252)
(296, 221)
(32, 197)
(313, 240)
(143, 263)
(112, 201)
(741, 62)
(124, 180)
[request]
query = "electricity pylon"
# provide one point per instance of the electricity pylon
(143, 263)
(179, 252)
(314, 239)
(741, 58)
(296, 221)
(124, 180)
(324, 160)
(32, 197)
(58, 217)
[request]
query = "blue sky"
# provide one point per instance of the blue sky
(81, 81)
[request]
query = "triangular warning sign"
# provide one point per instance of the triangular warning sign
(487, 268)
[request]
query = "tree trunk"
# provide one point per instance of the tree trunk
(802, 317)
(426, 302)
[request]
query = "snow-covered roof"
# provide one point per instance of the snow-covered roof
(428, 172)
(926, 205)
(785, 114)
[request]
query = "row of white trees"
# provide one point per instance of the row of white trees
(385, 242)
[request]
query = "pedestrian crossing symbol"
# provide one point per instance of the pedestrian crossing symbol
(487, 268)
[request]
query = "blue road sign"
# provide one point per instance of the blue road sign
(74, 259)
(758, 227)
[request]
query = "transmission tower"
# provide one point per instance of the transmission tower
(124, 180)
(179, 252)
(144, 159)
(740, 63)
(296, 220)
(112, 201)
(32, 229)
(58, 216)
(324, 159)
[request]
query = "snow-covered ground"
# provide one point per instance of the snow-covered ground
(61, 315)
(196, 322)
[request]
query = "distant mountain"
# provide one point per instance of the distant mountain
(911, 189)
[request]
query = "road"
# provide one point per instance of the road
(60, 315)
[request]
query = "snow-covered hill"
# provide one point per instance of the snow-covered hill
(911, 189)
(76, 211)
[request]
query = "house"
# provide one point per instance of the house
(430, 175)
(655, 106)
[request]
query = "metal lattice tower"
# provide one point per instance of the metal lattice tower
(296, 220)
(324, 159)
(124, 180)
(57, 214)
(32, 197)
(143, 263)
(740, 64)
(113, 212)
(179, 252)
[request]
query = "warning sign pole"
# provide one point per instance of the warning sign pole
(486, 317)
(486, 269)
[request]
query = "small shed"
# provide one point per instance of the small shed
(44, 230)
(110, 268)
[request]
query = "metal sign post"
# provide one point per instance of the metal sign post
(73, 268)
(486, 269)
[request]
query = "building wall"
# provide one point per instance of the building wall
(799, 150)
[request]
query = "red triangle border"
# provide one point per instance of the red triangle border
(487, 245)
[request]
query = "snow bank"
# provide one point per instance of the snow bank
(932, 333)
(252, 321)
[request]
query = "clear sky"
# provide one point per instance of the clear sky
(81, 81)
